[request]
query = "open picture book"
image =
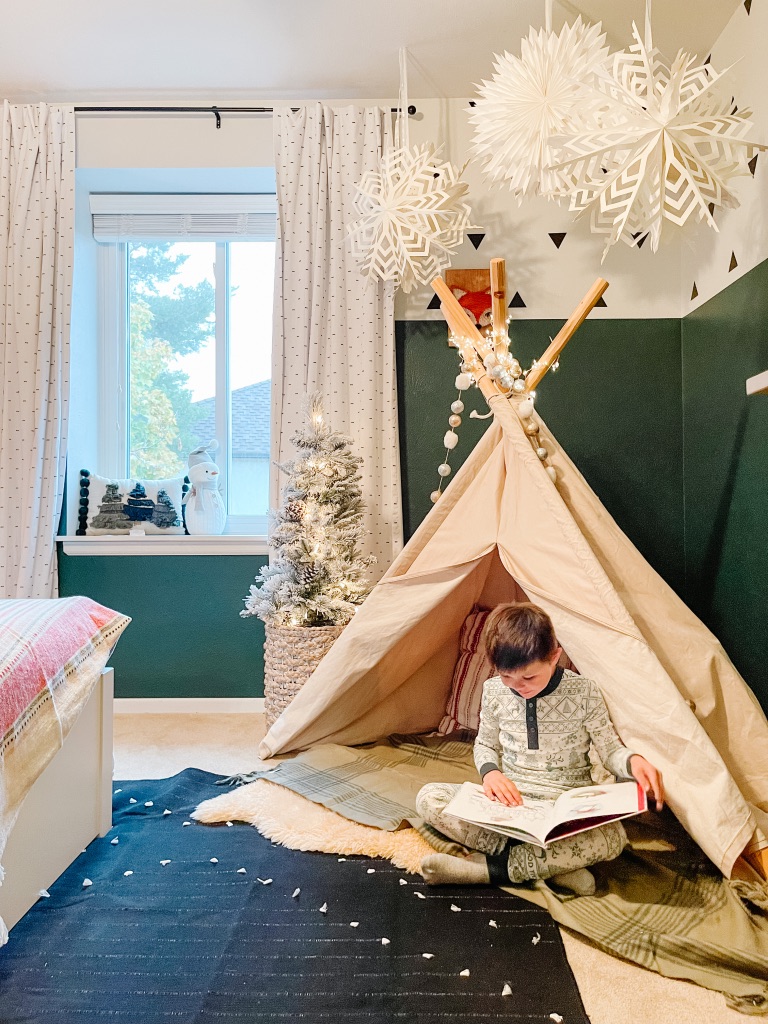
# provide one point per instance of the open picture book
(543, 821)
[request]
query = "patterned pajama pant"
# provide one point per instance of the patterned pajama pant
(526, 861)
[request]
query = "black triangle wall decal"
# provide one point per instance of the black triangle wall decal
(711, 208)
(748, 6)
(600, 302)
(694, 291)
(733, 264)
(476, 240)
(558, 237)
(640, 239)
(752, 164)
(517, 302)
(434, 302)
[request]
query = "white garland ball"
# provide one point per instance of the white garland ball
(514, 368)
(444, 469)
(454, 421)
(519, 386)
(525, 409)
(542, 452)
(531, 428)
(463, 381)
(434, 496)
(552, 473)
(457, 407)
(450, 440)
(506, 380)
(490, 360)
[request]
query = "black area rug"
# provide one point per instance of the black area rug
(220, 935)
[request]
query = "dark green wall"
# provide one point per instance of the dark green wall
(725, 460)
(186, 638)
(614, 405)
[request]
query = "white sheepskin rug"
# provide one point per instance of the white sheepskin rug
(293, 821)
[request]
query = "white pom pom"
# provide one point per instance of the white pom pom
(457, 407)
(444, 469)
(450, 440)
(525, 409)
(463, 381)
(434, 496)
(542, 452)
(490, 360)
(454, 421)
(519, 386)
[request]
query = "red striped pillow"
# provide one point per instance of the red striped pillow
(471, 671)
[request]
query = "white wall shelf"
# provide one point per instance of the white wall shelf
(227, 544)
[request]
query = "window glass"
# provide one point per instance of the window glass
(172, 354)
(251, 274)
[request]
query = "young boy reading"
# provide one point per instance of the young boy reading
(536, 725)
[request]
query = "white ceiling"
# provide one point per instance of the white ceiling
(249, 50)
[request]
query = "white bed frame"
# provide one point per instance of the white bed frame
(68, 806)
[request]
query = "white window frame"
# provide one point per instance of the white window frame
(114, 385)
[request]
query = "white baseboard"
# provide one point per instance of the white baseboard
(189, 705)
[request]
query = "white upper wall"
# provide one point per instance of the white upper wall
(743, 233)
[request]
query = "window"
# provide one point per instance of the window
(187, 287)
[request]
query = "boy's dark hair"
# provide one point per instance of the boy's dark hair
(517, 634)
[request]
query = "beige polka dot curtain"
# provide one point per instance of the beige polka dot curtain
(37, 178)
(333, 330)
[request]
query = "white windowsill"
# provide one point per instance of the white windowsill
(179, 544)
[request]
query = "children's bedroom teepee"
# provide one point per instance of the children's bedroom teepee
(504, 531)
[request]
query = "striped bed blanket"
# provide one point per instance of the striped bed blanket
(661, 904)
(52, 653)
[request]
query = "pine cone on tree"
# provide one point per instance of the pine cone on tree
(294, 511)
(309, 573)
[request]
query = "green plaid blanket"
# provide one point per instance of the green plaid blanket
(661, 904)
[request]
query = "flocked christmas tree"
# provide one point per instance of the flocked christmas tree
(317, 577)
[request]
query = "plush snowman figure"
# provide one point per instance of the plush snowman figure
(204, 506)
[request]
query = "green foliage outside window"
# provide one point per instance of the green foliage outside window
(164, 323)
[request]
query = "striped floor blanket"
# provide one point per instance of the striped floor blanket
(661, 904)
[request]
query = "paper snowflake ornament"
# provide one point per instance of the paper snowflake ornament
(532, 97)
(413, 216)
(661, 143)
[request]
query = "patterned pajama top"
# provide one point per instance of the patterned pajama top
(542, 743)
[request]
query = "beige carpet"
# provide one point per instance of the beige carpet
(155, 746)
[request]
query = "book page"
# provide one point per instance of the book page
(597, 801)
(533, 819)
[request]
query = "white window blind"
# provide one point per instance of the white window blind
(133, 217)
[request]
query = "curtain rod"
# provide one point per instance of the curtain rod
(216, 111)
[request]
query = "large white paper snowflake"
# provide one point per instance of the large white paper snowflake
(413, 216)
(532, 97)
(661, 143)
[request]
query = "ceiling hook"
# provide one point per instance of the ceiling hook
(217, 115)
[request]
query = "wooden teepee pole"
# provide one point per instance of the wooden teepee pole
(567, 331)
(499, 305)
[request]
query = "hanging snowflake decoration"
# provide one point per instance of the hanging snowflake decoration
(413, 216)
(532, 97)
(659, 143)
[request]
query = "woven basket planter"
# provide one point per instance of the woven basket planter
(291, 655)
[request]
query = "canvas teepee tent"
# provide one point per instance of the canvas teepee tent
(503, 530)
